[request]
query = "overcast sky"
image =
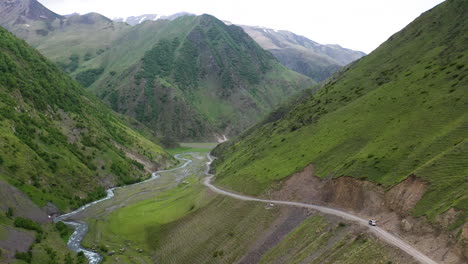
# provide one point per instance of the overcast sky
(355, 24)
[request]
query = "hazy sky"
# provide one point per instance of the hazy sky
(354, 24)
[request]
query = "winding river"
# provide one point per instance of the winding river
(81, 228)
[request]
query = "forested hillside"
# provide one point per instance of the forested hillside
(59, 144)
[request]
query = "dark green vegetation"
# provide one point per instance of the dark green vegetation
(27, 224)
(88, 77)
(58, 144)
(200, 78)
(396, 112)
(302, 54)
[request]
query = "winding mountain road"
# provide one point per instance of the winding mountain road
(379, 232)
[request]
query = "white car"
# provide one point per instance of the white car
(372, 222)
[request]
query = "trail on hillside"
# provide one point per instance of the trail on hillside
(377, 231)
(81, 228)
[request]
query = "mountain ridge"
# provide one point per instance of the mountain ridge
(301, 54)
(135, 20)
(296, 52)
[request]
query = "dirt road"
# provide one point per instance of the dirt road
(379, 232)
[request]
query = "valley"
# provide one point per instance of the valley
(190, 139)
(117, 225)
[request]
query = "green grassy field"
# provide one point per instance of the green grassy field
(193, 147)
(399, 111)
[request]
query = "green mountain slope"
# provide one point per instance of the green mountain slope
(396, 112)
(302, 54)
(58, 143)
(199, 78)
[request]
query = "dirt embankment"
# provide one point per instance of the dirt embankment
(390, 208)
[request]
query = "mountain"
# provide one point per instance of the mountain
(61, 145)
(302, 54)
(192, 78)
(67, 40)
(20, 12)
(298, 53)
(216, 79)
(135, 20)
(394, 122)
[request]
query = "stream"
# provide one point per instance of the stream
(81, 228)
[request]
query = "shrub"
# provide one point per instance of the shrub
(62, 228)
(27, 224)
(88, 77)
(68, 259)
(25, 256)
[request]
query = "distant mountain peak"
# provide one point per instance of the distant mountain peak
(301, 54)
(135, 20)
(20, 11)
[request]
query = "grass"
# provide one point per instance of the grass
(193, 147)
(135, 222)
(396, 112)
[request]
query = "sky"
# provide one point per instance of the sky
(355, 24)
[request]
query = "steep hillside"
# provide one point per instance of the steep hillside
(302, 54)
(191, 78)
(59, 144)
(397, 112)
